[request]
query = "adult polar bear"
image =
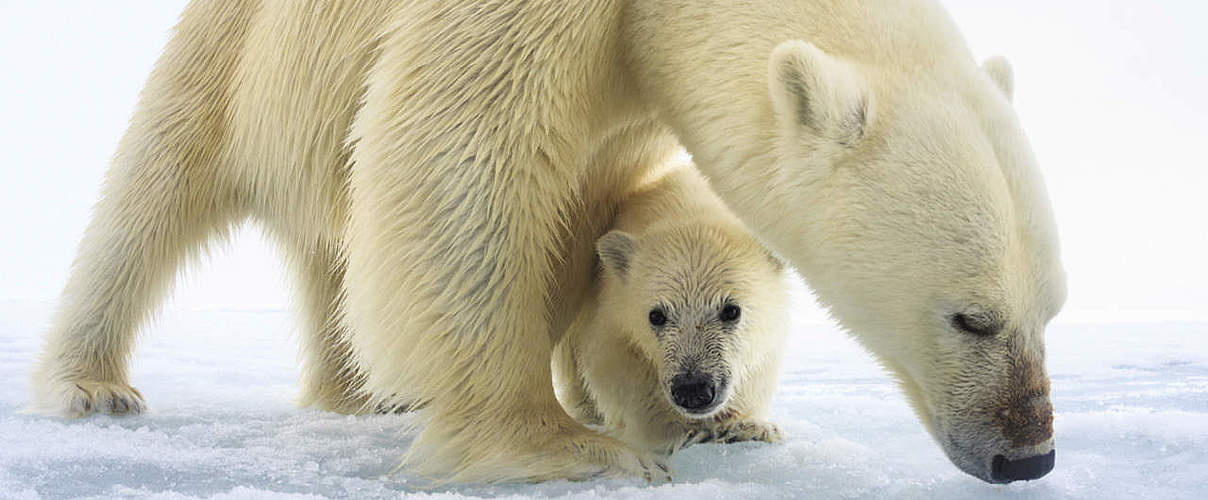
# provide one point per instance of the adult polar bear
(438, 171)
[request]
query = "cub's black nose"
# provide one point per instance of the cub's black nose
(1024, 469)
(693, 391)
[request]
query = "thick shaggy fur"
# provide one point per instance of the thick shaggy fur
(676, 248)
(438, 172)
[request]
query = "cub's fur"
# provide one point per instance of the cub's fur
(681, 338)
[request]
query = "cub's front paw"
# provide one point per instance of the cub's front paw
(735, 432)
(755, 431)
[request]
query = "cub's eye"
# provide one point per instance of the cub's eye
(730, 313)
(979, 323)
(657, 317)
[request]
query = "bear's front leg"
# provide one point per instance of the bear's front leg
(447, 303)
(451, 255)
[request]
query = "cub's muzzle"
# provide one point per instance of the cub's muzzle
(694, 392)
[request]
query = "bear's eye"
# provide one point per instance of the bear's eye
(982, 324)
(730, 313)
(657, 317)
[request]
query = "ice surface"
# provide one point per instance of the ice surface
(1131, 422)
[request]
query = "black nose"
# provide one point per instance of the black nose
(692, 391)
(1024, 469)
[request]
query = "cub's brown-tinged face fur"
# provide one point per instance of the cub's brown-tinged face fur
(689, 299)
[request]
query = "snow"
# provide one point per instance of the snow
(1131, 422)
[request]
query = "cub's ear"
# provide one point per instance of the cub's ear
(1001, 74)
(812, 90)
(615, 250)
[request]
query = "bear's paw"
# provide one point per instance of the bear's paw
(81, 398)
(604, 457)
(735, 432)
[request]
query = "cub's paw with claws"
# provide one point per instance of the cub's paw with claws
(735, 432)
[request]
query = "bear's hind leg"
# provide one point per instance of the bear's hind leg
(331, 380)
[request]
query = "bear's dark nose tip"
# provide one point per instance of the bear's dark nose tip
(1024, 469)
(693, 391)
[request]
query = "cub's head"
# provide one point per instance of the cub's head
(695, 301)
(916, 212)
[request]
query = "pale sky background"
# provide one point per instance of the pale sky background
(1114, 95)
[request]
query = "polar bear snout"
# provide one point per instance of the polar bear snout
(998, 461)
(1028, 426)
(694, 392)
(1013, 439)
(697, 393)
(1005, 470)
(1028, 422)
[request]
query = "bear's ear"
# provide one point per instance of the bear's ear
(826, 96)
(1001, 74)
(615, 250)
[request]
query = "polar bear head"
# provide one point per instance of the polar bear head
(699, 302)
(920, 221)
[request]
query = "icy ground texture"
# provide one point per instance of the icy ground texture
(1131, 399)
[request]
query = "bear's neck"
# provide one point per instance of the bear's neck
(703, 68)
(711, 89)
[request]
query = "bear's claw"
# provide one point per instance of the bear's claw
(86, 398)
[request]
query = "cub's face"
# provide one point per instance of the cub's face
(691, 300)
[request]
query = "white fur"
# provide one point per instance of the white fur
(681, 249)
(438, 172)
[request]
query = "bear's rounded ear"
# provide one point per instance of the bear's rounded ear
(615, 250)
(999, 70)
(826, 96)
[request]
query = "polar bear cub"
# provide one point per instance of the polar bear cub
(681, 338)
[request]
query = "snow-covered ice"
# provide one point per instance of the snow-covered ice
(1131, 401)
